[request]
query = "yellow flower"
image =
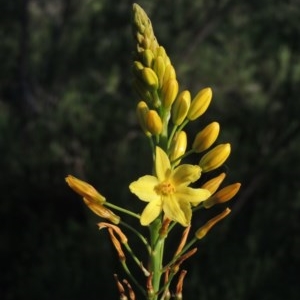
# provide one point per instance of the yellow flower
(168, 191)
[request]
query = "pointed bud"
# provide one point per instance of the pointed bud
(215, 157)
(142, 112)
(150, 78)
(141, 89)
(213, 184)
(178, 146)
(181, 107)
(206, 137)
(84, 189)
(223, 195)
(199, 104)
(102, 211)
(169, 73)
(147, 57)
(169, 92)
(202, 231)
(153, 122)
(159, 68)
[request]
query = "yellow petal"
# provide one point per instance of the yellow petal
(151, 212)
(173, 210)
(162, 164)
(185, 174)
(144, 188)
(191, 195)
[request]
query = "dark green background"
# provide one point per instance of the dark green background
(66, 106)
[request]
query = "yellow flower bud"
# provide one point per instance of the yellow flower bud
(141, 90)
(181, 107)
(150, 78)
(137, 68)
(202, 231)
(215, 157)
(159, 68)
(169, 93)
(199, 104)
(84, 189)
(169, 73)
(213, 184)
(223, 195)
(142, 112)
(102, 211)
(206, 137)
(147, 57)
(178, 146)
(153, 122)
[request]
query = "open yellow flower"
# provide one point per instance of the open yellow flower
(168, 191)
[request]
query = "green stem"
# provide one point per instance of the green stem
(121, 209)
(157, 249)
(137, 233)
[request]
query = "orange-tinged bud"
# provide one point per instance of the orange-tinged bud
(102, 211)
(169, 92)
(223, 195)
(178, 146)
(181, 107)
(153, 122)
(142, 112)
(199, 104)
(202, 231)
(84, 189)
(215, 157)
(206, 137)
(213, 184)
(150, 78)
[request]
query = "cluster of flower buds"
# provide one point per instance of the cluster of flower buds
(163, 111)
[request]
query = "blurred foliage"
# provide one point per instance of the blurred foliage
(66, 106)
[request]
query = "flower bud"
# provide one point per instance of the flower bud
(199, 104)
(223, 195)
(213, 184)
(159, 68)
(141, 90)
(102, 211)
(84, 189)
(181, 107)
(150, 78)
(202, 231)
(169, 73)
(153, 122)
(147, 57)
(215, 157)
(142, 112)
(178, 146)
(169, 93)
(206, 137)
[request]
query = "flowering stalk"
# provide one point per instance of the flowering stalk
(163, 111)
